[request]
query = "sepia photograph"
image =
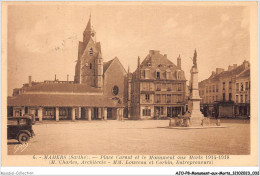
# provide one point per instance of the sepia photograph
(110, 81)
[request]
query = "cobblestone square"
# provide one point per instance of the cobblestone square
(150, 137)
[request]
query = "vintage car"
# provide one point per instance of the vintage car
(32, 116)
(20, 128)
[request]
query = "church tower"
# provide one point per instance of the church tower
(89, 67)
(99, 72)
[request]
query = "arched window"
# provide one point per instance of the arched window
(91, 52)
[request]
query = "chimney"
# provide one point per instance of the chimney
(67, 77)
(138, 62)
(179, 62)
(151, 52)
(234, 66)
(213, 73)
(55, 78)
(230, 68)
(246, 64)
(30, 80)
(219, 70)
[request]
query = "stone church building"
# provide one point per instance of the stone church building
(99, 89)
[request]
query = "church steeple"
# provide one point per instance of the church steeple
(89, 32)
(89, 68)
(89, 25)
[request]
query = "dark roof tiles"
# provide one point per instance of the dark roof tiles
(63, 100)
(106, 65)
(240, 71)
(62, 87)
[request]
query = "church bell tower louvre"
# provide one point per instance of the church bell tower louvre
(89, 67)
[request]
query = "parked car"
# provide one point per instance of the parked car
(31, 116)
(20, 128)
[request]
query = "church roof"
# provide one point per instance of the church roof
(52, 100)
(106, 65)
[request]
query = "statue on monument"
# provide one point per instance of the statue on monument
(195, 58)
(193, 117)
(196, 116)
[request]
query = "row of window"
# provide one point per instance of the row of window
(146, 74)
(146, 112)
(211, 99)
(242, 86)
(170, 87)
(224, 85)
(47, 111)
(215, 88)
(147, 86)
(171, 111)
(212, 88)
(169, 98)
(243, 99)
(51, 111)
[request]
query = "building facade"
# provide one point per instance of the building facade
(227, 93)
(99, 89)
(157, 88)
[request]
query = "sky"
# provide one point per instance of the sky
(43, 39)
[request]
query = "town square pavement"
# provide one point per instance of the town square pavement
(148, 137)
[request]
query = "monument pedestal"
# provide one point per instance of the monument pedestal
(197, 119)
(196, 116)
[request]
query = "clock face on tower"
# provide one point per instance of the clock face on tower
(115, 90)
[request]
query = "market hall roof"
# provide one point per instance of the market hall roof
(62, 88)
(52, 100)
